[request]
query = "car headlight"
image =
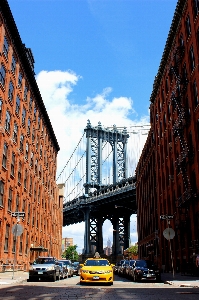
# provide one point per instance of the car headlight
(50, 268)
(31, 268)
(108, 271)
(85, 271)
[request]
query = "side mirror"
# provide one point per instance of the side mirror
(81, 265)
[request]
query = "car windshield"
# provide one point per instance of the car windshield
(60, 264)
(44, 260)
(95, 262)
(76, 264)
(141, 263)
(65, 262)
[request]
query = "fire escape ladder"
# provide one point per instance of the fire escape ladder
(179, 124)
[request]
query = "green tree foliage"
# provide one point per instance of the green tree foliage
(71, 253)
(133, 249)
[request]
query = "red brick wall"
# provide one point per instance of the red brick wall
(175, 190)
(39, 198)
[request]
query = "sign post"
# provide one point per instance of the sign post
(17, 230)
(169, 234)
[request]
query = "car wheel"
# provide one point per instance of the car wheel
(54, 277)
(58, 277)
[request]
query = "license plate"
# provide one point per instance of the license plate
(40, 272)
(95, 277)
(148, 275)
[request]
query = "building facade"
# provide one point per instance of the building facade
(168, 169)
(28, 156)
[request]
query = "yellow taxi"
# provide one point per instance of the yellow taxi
(96, 270)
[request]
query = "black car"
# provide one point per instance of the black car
(76, 268)
(145, 270)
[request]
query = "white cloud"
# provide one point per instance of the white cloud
(69, 120)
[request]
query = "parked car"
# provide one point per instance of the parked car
(122, 266)
(44, 267)
(76, 268)
(63, 269)
(129, 268)
(115, 268)
(145, 270)
(69, 267)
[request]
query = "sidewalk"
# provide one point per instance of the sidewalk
(6, 278)
(180, 280)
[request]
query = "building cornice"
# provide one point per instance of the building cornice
(181, 4)
(21, 51)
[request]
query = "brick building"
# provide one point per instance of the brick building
(168, 169)
(28, 153)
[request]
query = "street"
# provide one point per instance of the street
(70, 289)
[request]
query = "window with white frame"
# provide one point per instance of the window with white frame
(1, 192)
(12, 167)
(15, 132)
(5, 155)
(7, 121)
(10, 199)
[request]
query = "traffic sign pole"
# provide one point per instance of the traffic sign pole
(17, 231)
(168, 218)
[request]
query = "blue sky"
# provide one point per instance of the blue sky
(109, 43)
(97, 60)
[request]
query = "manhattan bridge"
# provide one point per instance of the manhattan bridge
(99, 180)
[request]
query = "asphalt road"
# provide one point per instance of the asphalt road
(121, 289)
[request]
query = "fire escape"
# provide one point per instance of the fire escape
(178, 92)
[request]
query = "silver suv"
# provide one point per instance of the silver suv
(44, 267)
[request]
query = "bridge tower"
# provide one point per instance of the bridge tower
(96, 137)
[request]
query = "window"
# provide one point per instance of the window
(27, 150)
(36, 166)
(17, 203)
(5, 46)
(17, 105)
(188, 26)
(19, 172)
(2, 75)
(23, 116)
(25, 93)
(195, 7)
(192, 58)
(1, 104)
(11, 91)
(5, 154)
(1, 192)
(20, 80)
(195, 93)
(15, 132)
(30, 104)
(41, 151)
(13, 65)
(7, 121)
(25, 179)
(26, 249)
(7, 237)
(31, 159)
(10, 200)
(12, 167)
(21, 142)
(21, 243)
(39, 122)
(35, 113)
(29, 124)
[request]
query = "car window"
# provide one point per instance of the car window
(141, 263)
(96, 262)
(45, 261)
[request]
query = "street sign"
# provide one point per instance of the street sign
(169, 233)
(18, 214)
(17, 229)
